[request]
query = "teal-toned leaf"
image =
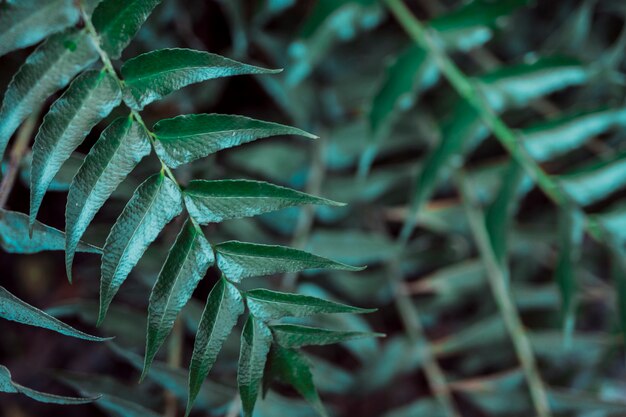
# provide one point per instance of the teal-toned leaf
(238, 260)
(215, 201)
(14, 309)
(49, 68)
(186, 264)
(291, 367)
(14, 237)
(295, 336)
(27, 22)
(557, 137)
(118, 150)
(271, 305)
(153, 75)
(517, 85)
(189, 137)
(618, 266)
(352, 246)
(256, 340)
(596, 182)
(223, 307)
(571, 231)
(157, 201)
(118, 21)
(9, 386)
(613, 221)
(88, 100)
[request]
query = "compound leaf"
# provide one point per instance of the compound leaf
(256, 340)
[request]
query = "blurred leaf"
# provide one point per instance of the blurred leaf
(596, 181)
(294, 336)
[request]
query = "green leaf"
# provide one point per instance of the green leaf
(238, 260)
(154, 204)
(256, 340)
(29, 21)
(14, 237)
(271, 305)
(118, 21)
(557, 137)
(215, 201)
(116, 153)
(223, 307)
(295, 336)
(596, 182)
(88, 100)
(153, 75)
(571, 231)
(186, 264)
(51, 67)
(14, 309)
(7, 385)
(189, 137)
(293, 368)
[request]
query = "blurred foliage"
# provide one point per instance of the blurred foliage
(458, 236)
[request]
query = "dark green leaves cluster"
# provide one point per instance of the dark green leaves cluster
(69, 49)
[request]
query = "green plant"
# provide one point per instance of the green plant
(78, 36)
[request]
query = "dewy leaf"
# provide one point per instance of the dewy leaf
(29, 21)
(14, 309)
(256, 340)
(116, 153)
(295, 336)
(7, 385)
(238, 260)
(223, 307)
(118, 21)
(189, 137)
(14, 236)
(271, 305)
(214, 201)
(153, 75)
(51, 67)
(154, 204)
(88, 100)
(186, 264)
(293, 368)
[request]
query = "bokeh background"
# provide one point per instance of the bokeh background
(353, 77)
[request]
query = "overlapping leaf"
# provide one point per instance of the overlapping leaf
(295, 336)
(223, 308)
(157, 201)
(189, 137)
(256, 340)
(122, 145)
(215, 201)
(186, 264)
(88, 100)
(51, 67)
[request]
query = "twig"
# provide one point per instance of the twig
(498, 283)
(18, 151)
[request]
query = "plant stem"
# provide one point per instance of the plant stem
(18, 151)
(498, 283)
(466, 88)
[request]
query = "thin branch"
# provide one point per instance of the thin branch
(498, 283)
(20, 147)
